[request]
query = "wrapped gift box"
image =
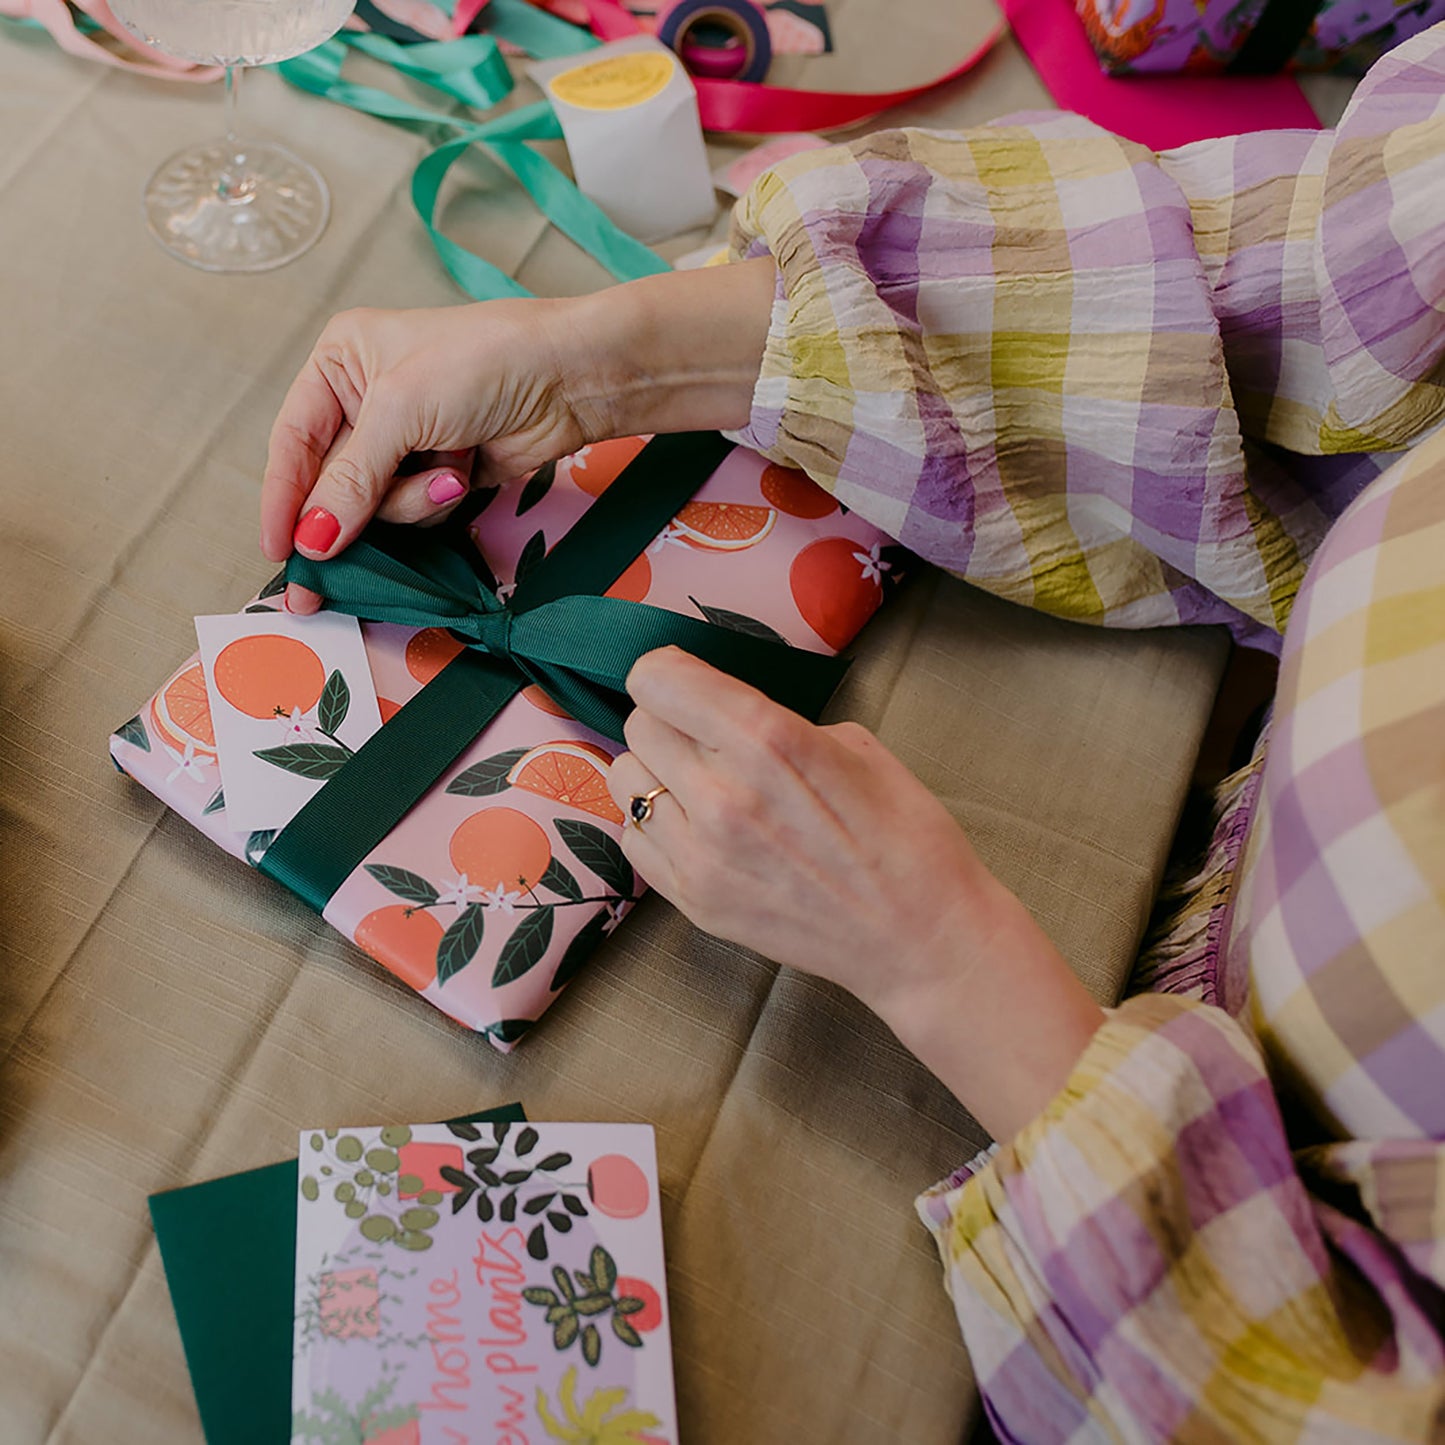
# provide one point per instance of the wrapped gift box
(494, 887)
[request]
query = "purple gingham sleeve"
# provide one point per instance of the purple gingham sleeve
(1044, 357)
(1130, 388)
(1148, 1260)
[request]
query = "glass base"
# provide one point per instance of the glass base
(274, 213)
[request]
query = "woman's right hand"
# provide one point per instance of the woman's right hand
(523, 382)
(382, 386)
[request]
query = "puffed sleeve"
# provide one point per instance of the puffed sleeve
(1061, 366)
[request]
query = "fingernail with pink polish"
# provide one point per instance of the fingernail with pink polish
(445, 487)
(317, 530)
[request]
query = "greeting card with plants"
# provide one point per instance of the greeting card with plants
(480, 1281)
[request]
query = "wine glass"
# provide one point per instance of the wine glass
(234, 205)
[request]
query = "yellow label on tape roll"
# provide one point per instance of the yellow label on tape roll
(617, 83)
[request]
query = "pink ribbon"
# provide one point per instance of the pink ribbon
(56, 17)
(736, 105)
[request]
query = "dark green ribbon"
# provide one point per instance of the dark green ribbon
(557, 631)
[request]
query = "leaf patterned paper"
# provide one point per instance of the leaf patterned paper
(487, 1280)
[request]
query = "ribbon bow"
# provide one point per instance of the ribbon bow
(557, 631)
(577, 648)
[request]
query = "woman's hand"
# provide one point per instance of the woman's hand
(384, 415)
(381, 387)
(816, 847)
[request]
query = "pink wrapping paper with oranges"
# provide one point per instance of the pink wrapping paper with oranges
(491, 891)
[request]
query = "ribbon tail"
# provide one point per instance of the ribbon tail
(584, 647)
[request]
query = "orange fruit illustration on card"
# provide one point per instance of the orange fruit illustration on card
(650, 1315)
(430, 651)
(181, 712)
(834, 590)
(387, 708)
(598, 465)
(795, 493)
(617, 1186)
(634, 583)
(571, 773)
(403, 940)
(501, 848)
(542, 702)
(723, 526)
(420, 1164)
(407, 1433)
(269, 676)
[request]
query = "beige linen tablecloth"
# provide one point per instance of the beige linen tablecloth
(167, 1015)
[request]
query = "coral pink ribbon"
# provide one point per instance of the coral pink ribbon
(736, 105)
(56, 17)
(1158, 111)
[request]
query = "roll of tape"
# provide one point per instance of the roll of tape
(687, 26)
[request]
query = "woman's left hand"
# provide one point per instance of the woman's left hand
(816, 847)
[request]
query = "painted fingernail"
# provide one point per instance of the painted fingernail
(317, 530)
(445, 487)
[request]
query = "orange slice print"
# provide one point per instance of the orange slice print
(570, 773)
(269, 676)
(501, 848)
(598, 465)
(430, 651)
(834, 594)
(796, 493)
(181, 712)
(723, 526)
(403, 940)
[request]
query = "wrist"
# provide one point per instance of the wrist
(677, 352)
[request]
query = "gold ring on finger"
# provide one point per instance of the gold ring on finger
(639, 807)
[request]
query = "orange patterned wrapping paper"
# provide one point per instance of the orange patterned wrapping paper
(491, 892)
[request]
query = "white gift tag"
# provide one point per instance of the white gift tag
(291, 699)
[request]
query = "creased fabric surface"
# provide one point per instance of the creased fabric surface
(167, 1016)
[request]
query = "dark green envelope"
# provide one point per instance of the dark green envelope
(229, 1250)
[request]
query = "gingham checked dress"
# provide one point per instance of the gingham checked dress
(1141, 390)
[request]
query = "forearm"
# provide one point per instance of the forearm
(1003, 1027)
(677, 352)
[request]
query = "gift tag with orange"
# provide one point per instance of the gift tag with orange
(291, 699)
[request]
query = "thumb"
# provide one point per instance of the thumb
(352, 485)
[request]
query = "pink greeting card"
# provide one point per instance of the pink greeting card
(481, 1282)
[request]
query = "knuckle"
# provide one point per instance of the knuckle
(772, 729)
(634, 729)
(852, 734)
(730, 818)
(353, 319)
(346, 481)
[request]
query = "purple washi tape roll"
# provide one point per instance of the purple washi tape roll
(718, 39)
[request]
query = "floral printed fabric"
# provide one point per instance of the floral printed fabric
(1151, 36)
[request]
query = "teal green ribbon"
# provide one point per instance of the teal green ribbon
(471, 70)
(557, 631)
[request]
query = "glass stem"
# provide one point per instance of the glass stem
(234, 184)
